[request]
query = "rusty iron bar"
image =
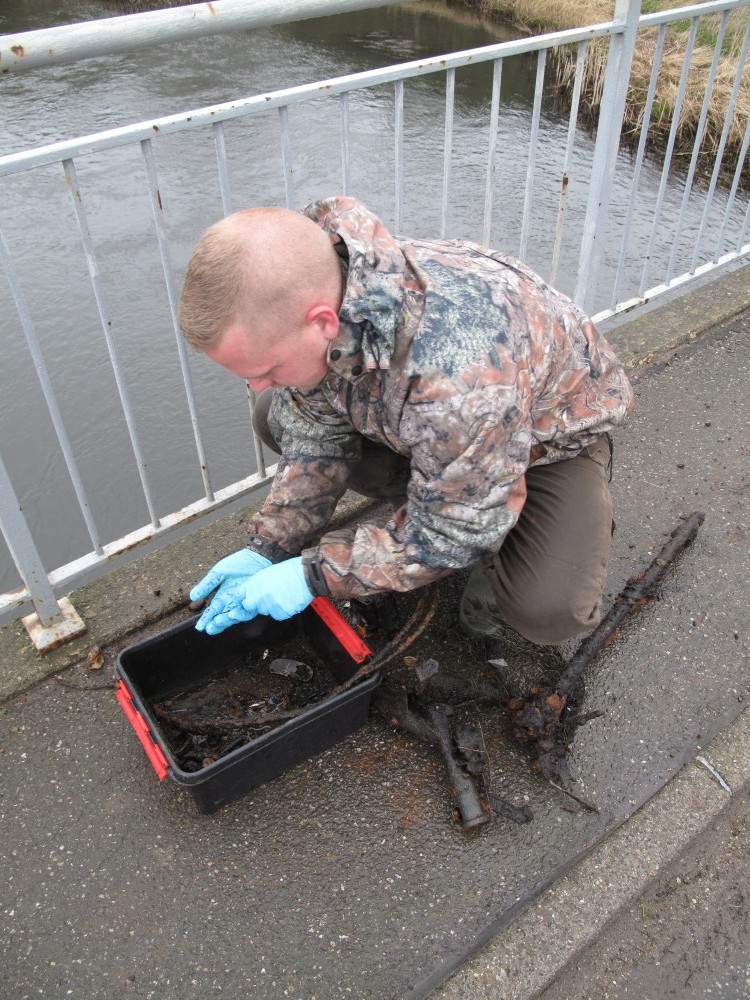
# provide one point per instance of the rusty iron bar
(430, 724)
(537, 717)
(464, 791)
(639, 589)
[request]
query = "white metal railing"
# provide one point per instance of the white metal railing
(41, 588)
(29, 50)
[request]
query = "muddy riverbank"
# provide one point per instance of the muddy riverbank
(546, 15)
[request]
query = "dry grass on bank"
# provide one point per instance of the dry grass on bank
(555, 15)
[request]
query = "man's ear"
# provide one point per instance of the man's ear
(325, 318)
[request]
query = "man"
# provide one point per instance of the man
(436, 373)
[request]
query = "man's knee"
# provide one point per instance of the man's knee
(541, 615)
(548, 625)
(549, 574)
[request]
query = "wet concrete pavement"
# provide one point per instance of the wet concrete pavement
(347, 876)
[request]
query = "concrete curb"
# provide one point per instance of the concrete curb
(659, 329)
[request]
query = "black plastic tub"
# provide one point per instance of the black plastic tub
(181, 659)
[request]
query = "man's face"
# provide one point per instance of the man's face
(267, 361)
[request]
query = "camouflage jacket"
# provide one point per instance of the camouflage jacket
(458, 357)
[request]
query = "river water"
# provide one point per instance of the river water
(36, 217)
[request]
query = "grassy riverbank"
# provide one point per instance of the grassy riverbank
(555, 15)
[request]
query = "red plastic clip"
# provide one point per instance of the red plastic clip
(355, 646)
(153, 750)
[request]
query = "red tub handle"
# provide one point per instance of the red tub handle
(353, 643)
(153, 751)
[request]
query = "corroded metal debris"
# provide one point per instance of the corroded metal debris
(204, 725)
(431, 723)
(420, 701)
(537, 717)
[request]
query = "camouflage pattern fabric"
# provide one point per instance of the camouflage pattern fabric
(456, 356)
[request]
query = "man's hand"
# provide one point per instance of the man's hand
(279, 591)
(226, 575)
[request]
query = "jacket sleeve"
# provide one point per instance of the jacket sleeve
(467, 487)
(318, 447)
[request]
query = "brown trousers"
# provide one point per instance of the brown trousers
(547, 578)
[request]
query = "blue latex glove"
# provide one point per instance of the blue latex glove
(228, 574)
(279, 591)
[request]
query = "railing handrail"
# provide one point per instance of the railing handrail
(42, 47)
(198, 118)
(56, 152)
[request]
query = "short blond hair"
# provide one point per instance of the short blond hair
(259, 261)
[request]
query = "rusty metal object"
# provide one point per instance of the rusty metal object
(430, 724)
(537, 717)
(518, 815)
(465, 794)
(95, 658)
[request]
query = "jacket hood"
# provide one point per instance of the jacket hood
(373, 302)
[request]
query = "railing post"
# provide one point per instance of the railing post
(609, 127)
(52, 623)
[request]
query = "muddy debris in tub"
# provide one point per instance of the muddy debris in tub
(204, 724)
